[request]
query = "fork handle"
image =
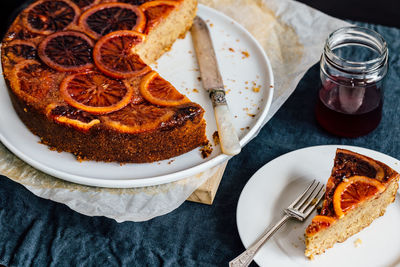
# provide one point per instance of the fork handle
(247, 256)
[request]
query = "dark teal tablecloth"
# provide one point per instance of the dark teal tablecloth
(39, 232)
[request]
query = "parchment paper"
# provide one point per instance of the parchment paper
(293, 37)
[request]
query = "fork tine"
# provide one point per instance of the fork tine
(306, 197)
(302, 195)
(311, 198)
(318, 197)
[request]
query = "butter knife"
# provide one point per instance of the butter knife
(212, 82)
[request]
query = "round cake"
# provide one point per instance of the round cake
(78, 77)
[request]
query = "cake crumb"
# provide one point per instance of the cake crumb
(256, 89)
(231, 49)
(242, 129)
(228, 91)
(245, 54)
(311, 257)
(211, 25)
(195, 90)
(206, 150)
(216, 138)
(199, 79)
(172, 160)
(357, 242)
(251, 115)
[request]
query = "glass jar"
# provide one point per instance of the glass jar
(352, 70)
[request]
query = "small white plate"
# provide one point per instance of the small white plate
(240, 73)
(276, 185)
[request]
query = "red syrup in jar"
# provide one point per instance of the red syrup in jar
(349, 111)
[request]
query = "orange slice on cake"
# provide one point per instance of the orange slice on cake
(109, 17)
(32, 80)
(95, 93)
(114, 56)
(320, 222)
(71, 117)
(155, 11)
(353, 191)
(67, 51)
(49, 16)
(158, 91)
(138, 118)
(19, 50)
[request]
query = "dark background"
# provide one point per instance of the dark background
(385, 12)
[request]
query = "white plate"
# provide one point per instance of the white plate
(276, 185)
(180, 67)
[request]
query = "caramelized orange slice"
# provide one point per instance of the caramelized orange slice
(49, 16)
(95, 93)
(380, 173)
(158, 91)
(108, 17)
(138, 118)
(32, 80)
(156, 11)
(319, 222)
(67, 51)
(353, 191)
(71, 117)
(113, 54)
(19, 50)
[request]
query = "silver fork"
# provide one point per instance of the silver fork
(299, 209)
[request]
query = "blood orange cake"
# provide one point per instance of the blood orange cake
(78, 77)
(357, 192)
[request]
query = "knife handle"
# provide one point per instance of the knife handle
(227, 135)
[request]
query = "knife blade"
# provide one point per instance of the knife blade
(212, 82)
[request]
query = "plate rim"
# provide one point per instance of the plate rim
(170, 177)
(330, 146)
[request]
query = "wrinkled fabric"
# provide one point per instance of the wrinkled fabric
(39, 232)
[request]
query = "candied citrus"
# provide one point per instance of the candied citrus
(354, 190)
(319, 222)
(158, 91)
(156, 11)
(113, 54)
(49, 16)
(19, 50)
(32, 80)
(108, 17)
(138, 118)
(95, 93)
(67, 115)
(362, 165)
(67, 51)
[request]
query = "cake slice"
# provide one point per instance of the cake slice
(357, 192)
